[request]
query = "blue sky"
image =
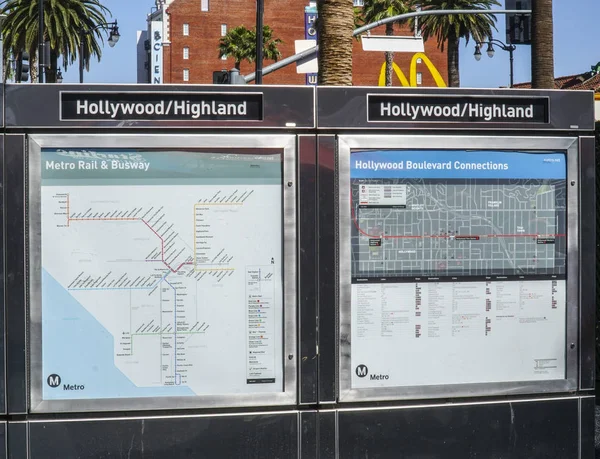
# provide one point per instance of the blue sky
(576, 47)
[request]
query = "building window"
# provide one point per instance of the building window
(203, 5)
(186, 29)
(186, 74)
(186, 52)
(359, 2)
(419, 78)
(223, 30)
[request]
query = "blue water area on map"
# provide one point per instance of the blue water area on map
(457, 164)
(80, 350)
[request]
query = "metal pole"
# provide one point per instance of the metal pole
(41, 53)
(81, 37)
(259, 41)
(510, 52)
(311, 51)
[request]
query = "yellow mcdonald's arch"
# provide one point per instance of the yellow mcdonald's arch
(413, 72)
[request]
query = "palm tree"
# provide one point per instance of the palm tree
(542, 45)
(240, 44)
(375, 10)
(335, 24)
(451, 28)
(63, 22)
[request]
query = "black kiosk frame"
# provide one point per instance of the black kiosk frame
(338, 292)
(394, 263)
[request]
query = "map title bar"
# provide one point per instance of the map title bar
(457, 164)
(407, 108)
(155, 106)
(132, 166)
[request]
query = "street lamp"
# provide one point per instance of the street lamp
(113, 38)
(490, 52)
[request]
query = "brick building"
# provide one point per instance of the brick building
(183, 38)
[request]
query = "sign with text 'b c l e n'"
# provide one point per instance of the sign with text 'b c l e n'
(467, 109)
(149, 106)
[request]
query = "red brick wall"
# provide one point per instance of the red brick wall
(286, 18)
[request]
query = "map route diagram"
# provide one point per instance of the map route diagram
(466, 228)
(176, 275)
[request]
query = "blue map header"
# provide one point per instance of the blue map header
(453, 164)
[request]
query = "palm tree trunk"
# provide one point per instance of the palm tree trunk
(33, 68)
(336, 24)
(542, 45)
(453, 75)
(389, 56)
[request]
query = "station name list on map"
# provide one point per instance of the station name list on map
(160, 273)
(457, 247)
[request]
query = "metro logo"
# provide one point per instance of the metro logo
(53, 380)
(362, 371)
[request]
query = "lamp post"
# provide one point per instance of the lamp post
(113, 38)
(490, 52)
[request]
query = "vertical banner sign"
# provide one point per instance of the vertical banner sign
(310, 33)
(156, 63)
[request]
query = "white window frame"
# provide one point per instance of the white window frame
(186, 52)
(419, 78)
(204, 5)
(186, 29)
(223, 30)
(359, 2)
(186, 74)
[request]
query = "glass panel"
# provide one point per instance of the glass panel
(148, 285)
(458, 262)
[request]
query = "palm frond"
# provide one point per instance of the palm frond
(64, 21)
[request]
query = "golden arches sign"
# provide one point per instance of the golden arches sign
(413, 72)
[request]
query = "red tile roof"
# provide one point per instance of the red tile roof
(582, 81)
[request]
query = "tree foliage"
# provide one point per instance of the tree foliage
(449, 29)
(63, 22)
(240, 44)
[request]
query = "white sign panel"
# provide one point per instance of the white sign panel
(161, 274)
(392, 43)
(309, 64)
(458, 267)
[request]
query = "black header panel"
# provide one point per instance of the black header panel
(165, 106)
(454, 109)
(153, 106)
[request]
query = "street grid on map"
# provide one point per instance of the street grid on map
(465, 227)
